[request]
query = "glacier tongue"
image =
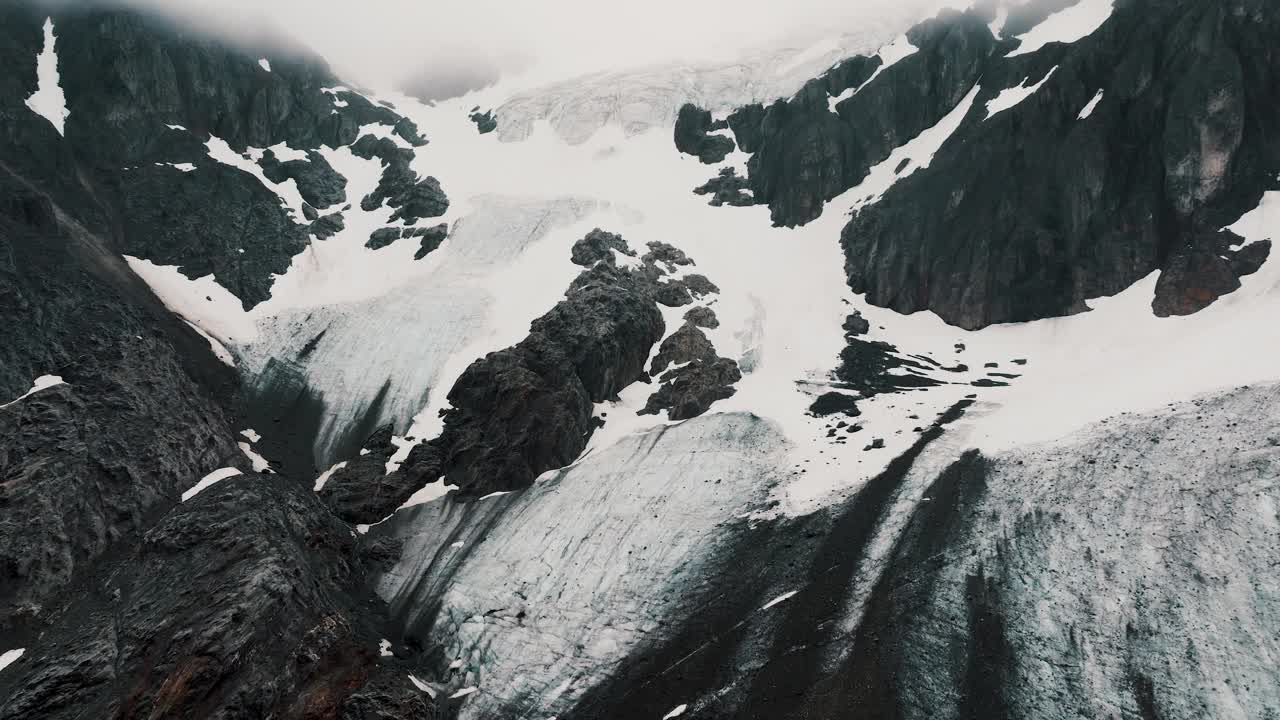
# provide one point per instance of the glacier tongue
(544, 593)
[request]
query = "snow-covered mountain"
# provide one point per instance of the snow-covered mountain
(927, 371)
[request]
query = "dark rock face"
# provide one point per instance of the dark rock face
(246, 601)
(1055, 210)
(1030, 213)
(804, 155)
(486, 122)
(692, 135)
(83, 466)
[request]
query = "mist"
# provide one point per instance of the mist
(444, 48)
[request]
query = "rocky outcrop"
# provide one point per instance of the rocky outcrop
(486, 122)
(727, 188)
(694, 136)
(529, 408)
(320, 185)
(690, 390)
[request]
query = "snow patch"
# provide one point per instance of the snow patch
(676, 712)
(1010, 97)
(781, 598)
(213, 477)
(48, 100)
(1066, 26)
(324, 476)
(265, 64)
(260, 463)
(918, 153)
(8, 657)
(423, 686)
(384, 648)
(463, 692)
(251, 434)
(1088, 109)
(40, 383)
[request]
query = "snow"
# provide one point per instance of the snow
(203, 302)
(1088, 109)
(384, 648)
(619, 577)
(48, 100)
(251, 434)
(219, 350)
(424, 687)
(287, 191)
(265, 64)
(781, 598)
(1010, 97)
(889, 56)
(919, 152)
(676, 712)
(463, 692)
(260, 463)
(324, 476)
(175, 127)
(41, 383)
(1066, 26)
(997, 25)
(8, 657)
(210, 479)
(184, 167)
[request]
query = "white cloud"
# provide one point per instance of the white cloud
(387, 41)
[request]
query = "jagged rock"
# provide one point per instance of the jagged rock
(727, 188)
(382, 237)
(856, 325)
(1193, 278)
(429, 238)
(245, 601)
(702, 316)
(831, 403)
(328, 226)
(690, 390)
(686, 344)
(597, 245)
(693, 125)
(668, 255)
(865, 365)
(309, 212)
(699, 286)
(358, 491)
(318, 183)
(486, 122)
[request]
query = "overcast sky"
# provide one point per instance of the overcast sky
(383, 41)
